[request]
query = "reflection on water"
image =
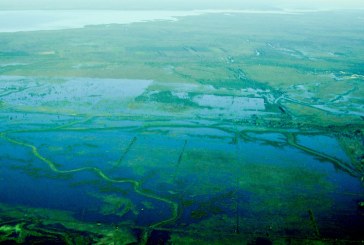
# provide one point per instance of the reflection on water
(143, 178)
(98, 176)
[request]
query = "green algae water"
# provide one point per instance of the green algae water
(112, 139)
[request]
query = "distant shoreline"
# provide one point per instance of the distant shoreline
(46, 20)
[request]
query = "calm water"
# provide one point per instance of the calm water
(240, 127)
(36, 20)
(175, 173)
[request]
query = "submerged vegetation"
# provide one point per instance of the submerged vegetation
(220, 128)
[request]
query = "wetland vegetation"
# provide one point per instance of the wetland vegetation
(214, 128)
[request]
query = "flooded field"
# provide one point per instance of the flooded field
(175, 143)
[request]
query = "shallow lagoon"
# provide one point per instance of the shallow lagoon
(234, 129)
(263, 185)
(158, 175)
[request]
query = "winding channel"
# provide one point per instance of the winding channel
(137, 186)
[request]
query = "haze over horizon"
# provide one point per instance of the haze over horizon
(178, 4)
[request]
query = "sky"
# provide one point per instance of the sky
(180, 4)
